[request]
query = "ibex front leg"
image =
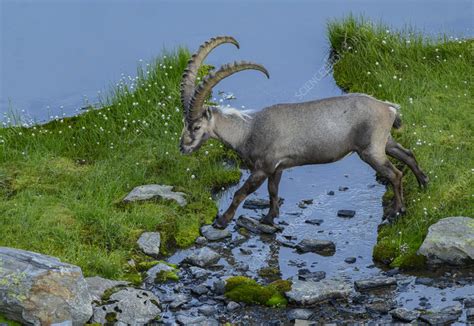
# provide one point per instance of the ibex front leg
(253, 182)
(273, 183)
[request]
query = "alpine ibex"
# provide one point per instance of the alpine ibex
(287, 135)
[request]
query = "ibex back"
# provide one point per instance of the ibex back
(287, 135)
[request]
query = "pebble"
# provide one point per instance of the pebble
(374, 283)
(325, 247)
(200, 289)
(207, 310)
(350, 260)
(315, 221)
(343, 188)
(303, 314)
(201, 241)
(232, 306)
(346, 213)
(331, 193)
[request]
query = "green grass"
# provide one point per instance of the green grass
(61, 183)
(433, 84)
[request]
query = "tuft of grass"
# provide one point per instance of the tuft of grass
(432, 80)
(244, 289)
(61, 183)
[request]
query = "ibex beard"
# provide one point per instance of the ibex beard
(288, 135)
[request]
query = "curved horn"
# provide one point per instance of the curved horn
(190, 73)
(211, 80)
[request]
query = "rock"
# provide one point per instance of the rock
(155, 270)
(201, 241)
(307, 293)
(343, 188)
(98, 285)
(154, 191)
(380, 307)
(323, 247)
(231, 306)
(203, 257)
(179, 300)
(302, 314)
(259, 203)
(39, 289)
(149, 243)
(315, 221)
(255, 226)
(468, 302)
(304, 203)
(213, 234)
(200, 289)
(301, 322)
(190, 320)
(350, 260)
(218, 287)
(306, 275)
(450, 241)
(198, 272)
(405, 315)
(439, 318)
(330, 193)
(375, 283)
(424, 281)
(244, 251)
(128, 306)
(347, 213)
(207, 310)
(470, 314)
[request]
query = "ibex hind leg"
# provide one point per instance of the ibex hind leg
(380, 163)
(397, 151)
(251, 184)
(273, 183)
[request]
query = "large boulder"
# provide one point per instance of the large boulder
(41, 290)
(450, 241)
(153, 191)
(309, 292)
(128, 306)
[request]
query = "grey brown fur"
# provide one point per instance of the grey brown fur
(287, 135)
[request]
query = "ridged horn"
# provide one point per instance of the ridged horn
(205, 87)
(191, 71)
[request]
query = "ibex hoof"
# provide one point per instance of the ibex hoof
(219, 223)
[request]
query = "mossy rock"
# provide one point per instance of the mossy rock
(165, 276)
(244, 289)
(270, 273)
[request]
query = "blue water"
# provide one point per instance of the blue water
(57, 55)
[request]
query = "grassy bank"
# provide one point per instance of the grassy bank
(432, 80)
(61, 183)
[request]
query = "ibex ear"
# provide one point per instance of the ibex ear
(207, 113)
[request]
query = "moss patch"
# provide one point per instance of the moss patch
(165, 276)
(244, 289)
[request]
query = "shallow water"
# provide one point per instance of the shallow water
(56, 56)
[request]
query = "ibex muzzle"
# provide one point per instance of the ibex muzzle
(288, 135)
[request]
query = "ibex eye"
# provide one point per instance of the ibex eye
(196, 128)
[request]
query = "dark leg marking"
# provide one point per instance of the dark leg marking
(273, 183)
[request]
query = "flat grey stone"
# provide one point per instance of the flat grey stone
(308, 293)
(306, 275)
(129, 306)
(39, 289)
(315, 221)
(154, 191)
(258, 203)
(439, 318)
(405, 315)
(255, 226)
(302, 314)
(375, 283)
(149, 243)
(347, 213)
(213, 234)
(350, 260)
(198, 272)
(323, 247)
(179, 300)
(184, 319)
(200, 289)
(203, 257)
(201, 241)
(207, 310)
(450, 241)
(231, 306)
(98, 285)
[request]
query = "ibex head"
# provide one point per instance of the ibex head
(198, 119)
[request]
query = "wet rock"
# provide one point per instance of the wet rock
(330, 193)
(98, 285)
(302, 314)
(439, 318)
(245, 251)
(424, 281)
(405, 315)
(218, 287)
(39, 289)
(231, 306)
(242, 267)
(288, 244)
(343, 188)
(350, 260)
(375, 283)
(346, 213)
(128, 306)
(198, 272)
(255, 226)
(213, 234)
(155, 270)
(184, 319)
(470, 314)
(380, 307)
(324, 247)
(305, 203)
(154, 191)
(207, 310)
(315, 221)
(149, 243)
(259, 203)
(200, 289)
(201, 241)
(451, 241)
(307, 293)
(468, 302)
(179, 300)
(202, 257)
(392, 272)
(306, 275)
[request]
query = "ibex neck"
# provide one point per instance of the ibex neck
(230, 128)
